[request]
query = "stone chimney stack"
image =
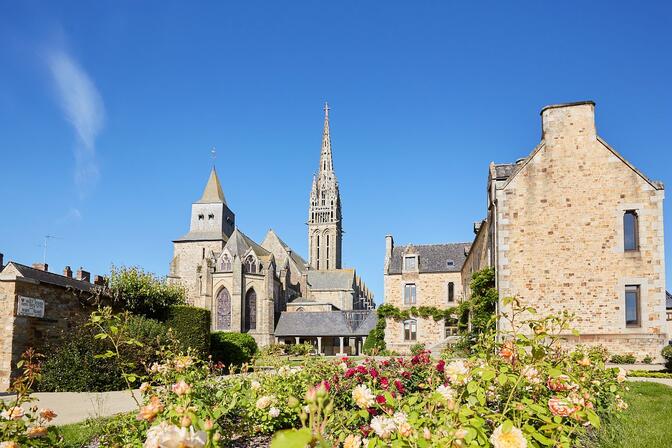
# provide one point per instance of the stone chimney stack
(389, 245)
(83, 275)
(99, 280)
(2, 261)
(67, 272)
(41, 266)
(570, 120)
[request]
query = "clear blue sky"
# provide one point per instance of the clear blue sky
(108, 111)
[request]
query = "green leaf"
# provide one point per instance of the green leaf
(542, 439)
(507, 426)
(363, 413)
(292, 438)
(100, 336)
(472, 386)
(502, 378)
(593, 418)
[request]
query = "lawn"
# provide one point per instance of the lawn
(646, 423)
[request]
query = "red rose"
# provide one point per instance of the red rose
(373, 372)
(441, 366)
(384, 382)
(380, 399)
(399, 386)
(365, 430)
(406, 374)
(349, 373)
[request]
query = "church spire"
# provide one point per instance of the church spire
(213, 190)
(326, 163)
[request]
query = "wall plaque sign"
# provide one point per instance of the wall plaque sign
(29, 306)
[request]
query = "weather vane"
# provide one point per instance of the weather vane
(213, 153)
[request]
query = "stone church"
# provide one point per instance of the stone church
(573, 226)
(267, 289)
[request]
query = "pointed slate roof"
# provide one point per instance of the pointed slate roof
(239, 244)
(272, 242)
(213, 190)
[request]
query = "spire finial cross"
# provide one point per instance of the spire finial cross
(213, 154)
(326, 108)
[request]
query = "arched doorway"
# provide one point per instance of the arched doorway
(250, 310)
(223, 310)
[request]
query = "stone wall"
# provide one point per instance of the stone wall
(184, 269)
(559, 227)
(431, 290)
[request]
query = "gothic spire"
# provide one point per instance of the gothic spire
(213, 190)
(326, 163)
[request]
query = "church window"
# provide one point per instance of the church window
(300, 309)
(451, 291)
(201, 217)
(410, 330)
(203, 255)
(410, 263)
(250, 310)
(223, 310)
(327, 251)
(318, 252)
(409, 294)
(630, 231)
(632, 299)
(211, 216)
(250, 265)
(226, 264)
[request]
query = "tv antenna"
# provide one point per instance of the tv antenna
(45, 245)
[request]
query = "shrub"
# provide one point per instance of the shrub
(647, 359)
(667, 354)
(72, 365)
(375, 341)
(418, 348)
(142, 292)
(628, 358)
(191, 327)
(232, 348)
(303, 349)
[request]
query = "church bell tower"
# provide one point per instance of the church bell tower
(324, 215)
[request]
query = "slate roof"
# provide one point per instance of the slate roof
(213, 193)
(239, 244)
(335, 279)
(299, 262)
(431, 257)
(203, 236)
(49, 277)
(668, 300)
(325, 323)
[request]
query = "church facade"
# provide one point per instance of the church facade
(250, 287)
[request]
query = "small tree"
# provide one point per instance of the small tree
(143, 293)
(480, 308)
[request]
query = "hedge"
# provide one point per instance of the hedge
(191, 326)
(232, 348)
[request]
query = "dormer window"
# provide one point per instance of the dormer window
(410, 263)
(450, 263)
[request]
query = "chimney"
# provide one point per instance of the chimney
(83, 275)
(568, 121)
(41, 266)
(67, 272)
(389, 245)
(99, 280)
(2, 261)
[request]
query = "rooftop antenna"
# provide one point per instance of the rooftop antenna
(45, 245)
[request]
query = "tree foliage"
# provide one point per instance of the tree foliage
(143, 293)
(477, 313)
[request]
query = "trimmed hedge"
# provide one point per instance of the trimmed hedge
(191, 326)
(232, 348)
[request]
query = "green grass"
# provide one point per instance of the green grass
(646, 423)
(78, 435)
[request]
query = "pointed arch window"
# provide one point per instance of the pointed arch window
(223, 320)
(250, 310)
(250, 265)
(226, 264)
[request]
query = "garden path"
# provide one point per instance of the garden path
(74, 407)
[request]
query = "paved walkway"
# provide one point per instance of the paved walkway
(73, 407)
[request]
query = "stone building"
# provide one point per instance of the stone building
(574, 226)
(250, 287)
(422, 275)
(37, 307)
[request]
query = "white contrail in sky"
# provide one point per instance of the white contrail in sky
(83, 108)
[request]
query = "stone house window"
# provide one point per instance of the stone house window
(630, 230)
(632, 305)
(410, 263)
(409, 294)
(451, 292)
(410, 330)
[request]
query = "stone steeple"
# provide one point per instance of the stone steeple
(213, 193)
(324, 215)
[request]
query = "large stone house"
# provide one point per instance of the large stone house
(250, 287)
(38, 306)
(574, 226)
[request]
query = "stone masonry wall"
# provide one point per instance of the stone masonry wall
(560, 235)
(431, 290)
